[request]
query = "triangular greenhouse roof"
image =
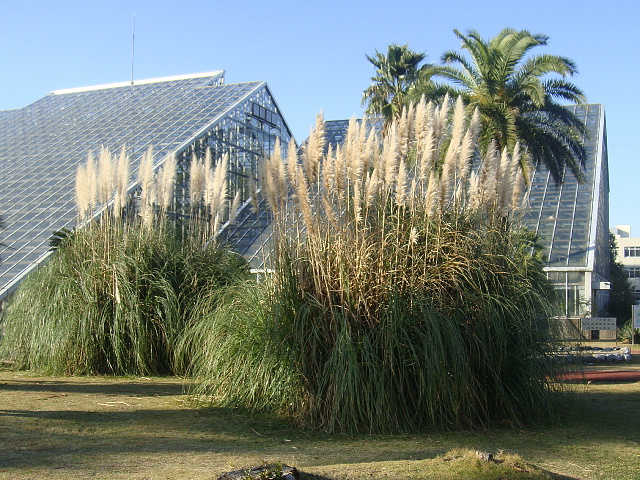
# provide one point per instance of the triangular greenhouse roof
(42, 145)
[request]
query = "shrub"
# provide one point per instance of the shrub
(116, 294)
(405, 294)
(112, 301)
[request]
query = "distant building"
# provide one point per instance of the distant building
(629, 256)
(42, 145)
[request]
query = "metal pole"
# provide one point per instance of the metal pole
(133, 46)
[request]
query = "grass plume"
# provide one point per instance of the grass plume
(115, 298)
(385, 314)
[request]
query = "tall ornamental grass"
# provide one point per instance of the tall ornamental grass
(405, 294)
(116, 295)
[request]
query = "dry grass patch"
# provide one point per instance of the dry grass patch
(117, 428)
(456, 464)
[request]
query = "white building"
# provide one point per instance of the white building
(629, 256)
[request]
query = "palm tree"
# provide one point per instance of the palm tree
(516, 100)
(397, 72)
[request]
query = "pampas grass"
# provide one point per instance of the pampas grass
(390, 313)
(116, 297)
(113, 301)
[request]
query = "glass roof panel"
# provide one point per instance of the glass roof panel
(562, 215)
(42, 145)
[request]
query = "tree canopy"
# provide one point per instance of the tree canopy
(516, 99)
(520, 96)
(397, 72)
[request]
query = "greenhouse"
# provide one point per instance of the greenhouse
(43, 144)
(572, 221)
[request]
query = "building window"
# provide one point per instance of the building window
(632, 251)
(633, 272)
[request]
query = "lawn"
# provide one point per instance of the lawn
(105, 427)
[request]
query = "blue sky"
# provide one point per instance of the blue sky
(312, 54)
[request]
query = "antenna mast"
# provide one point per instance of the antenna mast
(133, 46)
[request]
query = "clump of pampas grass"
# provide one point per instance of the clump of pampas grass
(116, 297)
(404, 295)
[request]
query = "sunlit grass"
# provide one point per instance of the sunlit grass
(112, 428)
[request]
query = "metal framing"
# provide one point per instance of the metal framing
(42, 145)
(572, 221)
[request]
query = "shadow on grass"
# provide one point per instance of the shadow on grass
(57, 438)
(106, 386)
(606, 405)
(53, 423)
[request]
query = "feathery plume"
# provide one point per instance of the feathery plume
(218, 189)
(413, 194)
(428, 154)
(491, 179)
(82, 192)
(357, 202)
(292, 153)
(421, 110)
(504, 182)
(196, 181)
(401, 191)
(92, 182)
(372, 185)
(413, 236)
(448, 177)
(474, 125)
(475, 193)
(302, 196)
(147, 186)
(440, 118)
(519, 178)
(424, 122)
(291, 162)
(431, 195)
(329, 212)
(368, 156)
(486, 174)
(390, 156)
(353, 152)
(209, 192)
(340, 186)
(235, 206)
(466, 154)
(403, 133)
(329, 172)
(457, 125)
(275, 178)
(166, 183)
(313, 150)
(122, 182)
(106, 175)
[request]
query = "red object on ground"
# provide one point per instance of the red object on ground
(602, 376)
